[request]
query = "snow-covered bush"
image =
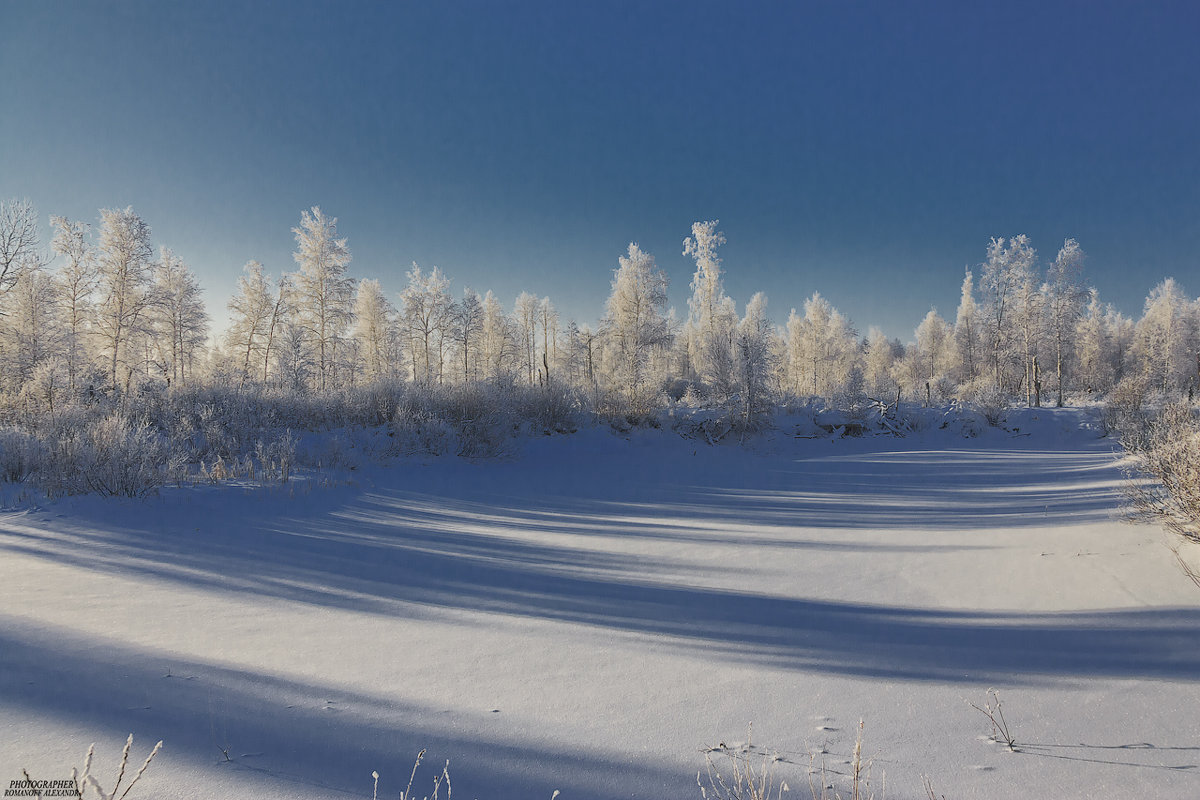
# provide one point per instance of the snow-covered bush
(1167, 451)
(1123, 413)
(125, 458)
(20, 455)
(982, 396)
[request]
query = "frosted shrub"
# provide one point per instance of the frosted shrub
(416, 430)
(277, 458)
(374, 404)
(1123, 413)
(20, 455)
(552, 409)
(125, 459)
(1167, 451)
(982, 396)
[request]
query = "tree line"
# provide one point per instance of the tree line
(101, 313)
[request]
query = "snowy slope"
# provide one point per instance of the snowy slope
(588, 615)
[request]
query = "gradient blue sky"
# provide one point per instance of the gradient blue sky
(865, 150)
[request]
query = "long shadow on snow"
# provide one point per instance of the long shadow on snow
(324, 740)
(414, 552)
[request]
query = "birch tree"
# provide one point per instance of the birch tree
(754, 361)
(374, 331)
(966, 331)
(178, 316)
(710, 312)
(635, 322)
(324, 293)
(124, 273)
(18, 241)
(525, 315)
(426, 310)
(467, 329)
(75, 281)
(254, 318)
(1065, 297)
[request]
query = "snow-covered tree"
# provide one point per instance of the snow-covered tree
(375, 332)
(257, 311)
(1122, 329)
(525, 315)
(498, 340)
(711, 313)
(294, 357)
(754, 361)
(124, 262)
(324, 293)
(1006, 275)
(966, 331)
(635, 322)
(878, 362)
(29, 330)
(75, 281)
(426, 311)
(1065, 297)
(547, 321)
(18, 241)
(178, 317)
(1165, 338)
(822, 349)
(1095, 367)
(935, 346)
(466, 329)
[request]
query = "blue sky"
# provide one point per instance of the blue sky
(864, 150)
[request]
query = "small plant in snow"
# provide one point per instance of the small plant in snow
(88, 780)
(992, 709)
(749, 773)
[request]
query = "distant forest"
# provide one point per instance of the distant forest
(99, 313)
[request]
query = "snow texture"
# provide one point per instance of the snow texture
(591, 613)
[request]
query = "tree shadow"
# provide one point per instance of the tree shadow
(319, 739)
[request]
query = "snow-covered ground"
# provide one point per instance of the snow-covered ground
(590, 614)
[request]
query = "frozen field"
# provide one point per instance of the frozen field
(589, 615)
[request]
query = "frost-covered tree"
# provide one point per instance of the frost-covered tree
(75, 281)
(878, 362)
(1122, 329)
(635, 322)
(426, 312)
(1165, 337)
(935, 341)
(547, 321)
(294, 358)
(711, 314)
(822, 349)
(1095, 367)
(583, 356)
(324, 293)
(375, 332)
(178, 318)
(1065, 298)
(124, 263)
(498, 340)
(466, 328)
(256, 313)
(1005, 276)
(525, 315)
(30, 329)
(754, 361)
(18, 241)
(966, 331)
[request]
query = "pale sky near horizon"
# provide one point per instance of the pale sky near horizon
(864, 150)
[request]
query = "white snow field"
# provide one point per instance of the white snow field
(590, 614)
